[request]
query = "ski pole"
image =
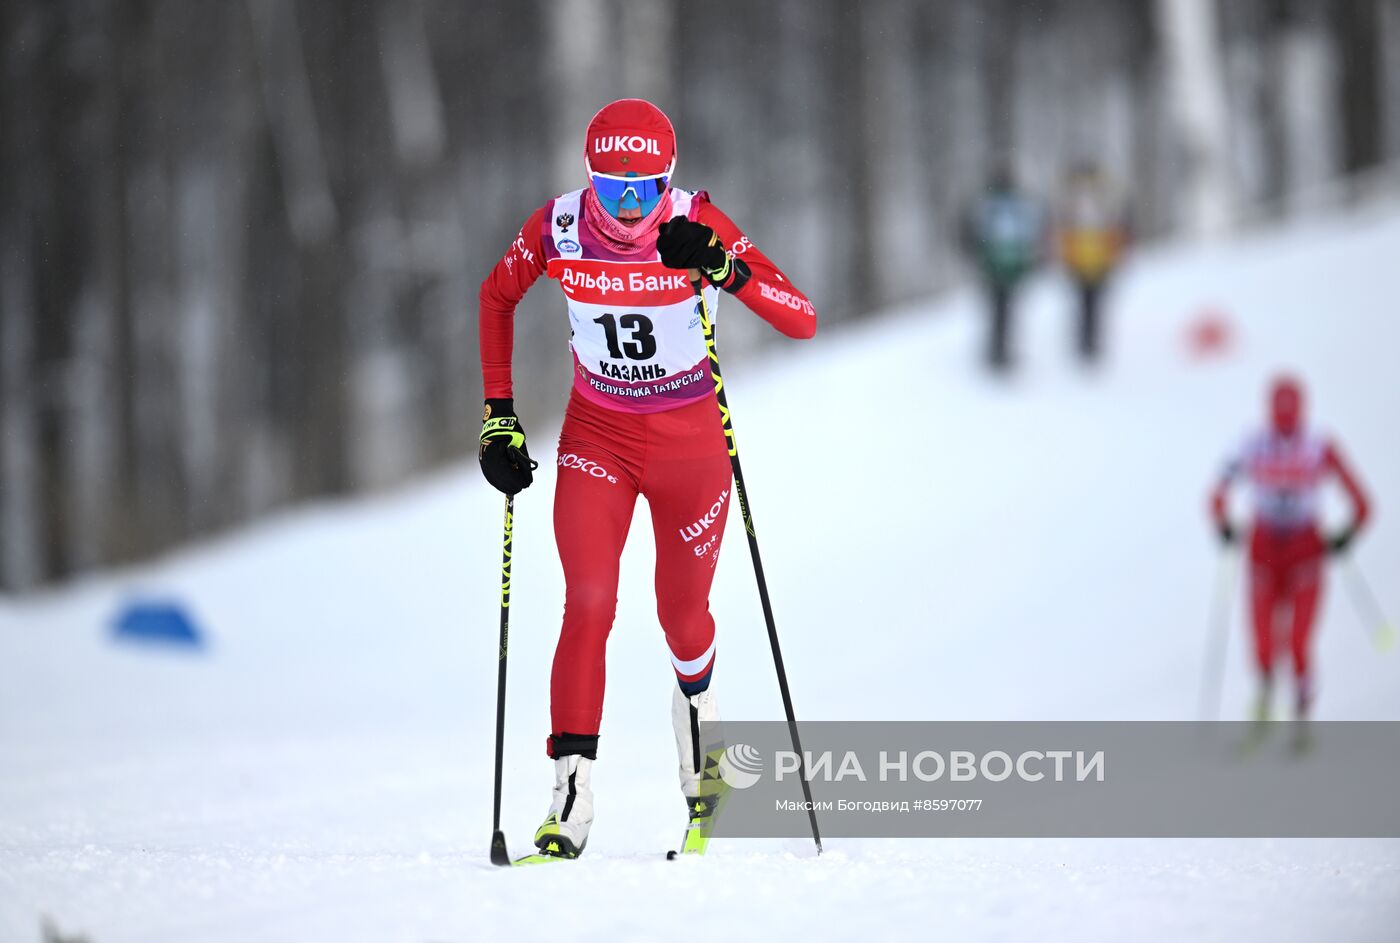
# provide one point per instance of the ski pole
(1213, 676)
(499, 854)
(726, 420)
(1382, 629)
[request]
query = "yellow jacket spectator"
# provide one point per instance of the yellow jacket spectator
(1092, 232)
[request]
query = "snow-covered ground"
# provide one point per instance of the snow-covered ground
(939, 545)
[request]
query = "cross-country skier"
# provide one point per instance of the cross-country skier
(1286, 464)
(642, 419)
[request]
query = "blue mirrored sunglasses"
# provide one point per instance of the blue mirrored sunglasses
(645, 190)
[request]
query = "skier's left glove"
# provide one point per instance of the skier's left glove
(504, 460)
(1340, 541)
(684, 243)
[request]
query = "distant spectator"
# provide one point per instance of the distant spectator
(1092, 230)
(1004, 232)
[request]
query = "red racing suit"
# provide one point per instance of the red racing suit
(1285, 548)
(642, 420)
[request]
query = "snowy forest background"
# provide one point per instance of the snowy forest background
(240, 241)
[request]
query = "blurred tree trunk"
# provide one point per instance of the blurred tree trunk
(1312, 124)
(161, 489)
(578, 36)
(1275, 28)
(800, 112)
(1389, 44)
(57, 202)
(431, 242)
(900, 225)
(1152, 197)
(934, 31)
(854, 93)
(1358, 34)
(122, 530)
(315, 377)
(21, 534)
(1196, 86)
(998, 35)
(967, 140)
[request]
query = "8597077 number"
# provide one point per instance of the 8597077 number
(947, 805)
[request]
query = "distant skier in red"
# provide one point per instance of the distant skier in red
(642, 420)
(1286, 464)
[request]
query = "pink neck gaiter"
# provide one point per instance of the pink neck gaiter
(636, 239)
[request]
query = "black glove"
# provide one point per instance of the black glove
(690, 245)
(1339, 542)
(504, 461)
(1227, 533)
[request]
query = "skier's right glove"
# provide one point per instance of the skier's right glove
(685, 244)
(1227, 533)
(504, 460)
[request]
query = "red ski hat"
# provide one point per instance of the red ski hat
(630, 136)
(1286, 405)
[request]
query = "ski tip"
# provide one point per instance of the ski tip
(499, 856)
(671, 855)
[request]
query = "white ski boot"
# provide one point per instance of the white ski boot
(565, 830)
(699, 764)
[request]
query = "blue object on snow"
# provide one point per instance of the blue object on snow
(163, 623)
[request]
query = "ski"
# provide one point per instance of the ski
(702, 811)
(500, 855)
(1298, 744)
(1254, 739)
(703, 808)
(537, 859)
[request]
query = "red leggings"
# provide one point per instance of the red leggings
(1285, 583)
(679, 460)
